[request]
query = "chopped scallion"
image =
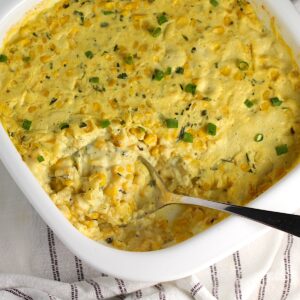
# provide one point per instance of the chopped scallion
(27, 124)
(281, 149)
(172, 123)
(107, 12)
(214, 2)
(179, 70)
(188, 137)
(104, 123)
(128, 60)
(89, 54)
(168, 71)
(259, 137)
(158, 75)
(162, 18)
(155, 32)
(3, 58)
(242, 65)
(248, 103)
(94, 80)
(276, 101)
(211, 129)
(190, 88)
(40, 158)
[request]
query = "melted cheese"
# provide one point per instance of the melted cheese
(88, 86)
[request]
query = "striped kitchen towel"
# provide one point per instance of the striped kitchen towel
(34, 265)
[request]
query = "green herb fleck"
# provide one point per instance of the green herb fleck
(64, 126)
(122, 76)
(89, 54)
(276, 101)
(104, 24)
(187, 137)
(281, 149)
(128, 60)
(190, 88)
(3, 58)
(172, 123)
(53, 100)
(104, 123)
(107, 12)
(82, 125)
(158, 75)
(26, 59)
(80, 15)
(155, 32)
(40, 158)
(214, 2)
(248, 103)
(211, 129)
(185, 37)
(206, 99)
(27, 124)
(162, 18)
(259, 137)
(94, 80)
(242, 65)
(168, 71)
(179, 70)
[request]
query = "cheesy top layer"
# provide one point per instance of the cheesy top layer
(200, 88)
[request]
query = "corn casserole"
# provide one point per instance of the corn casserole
(201, 88)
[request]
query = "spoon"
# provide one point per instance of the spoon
(285, 222)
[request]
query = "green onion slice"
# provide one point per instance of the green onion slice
(242, 65)
(3, 58)
(27, 124)
(172, 123)
(190, 88)
(211, 129)
(89, 54)
(162, 18)
(276, 101)
(187, 137)
(248, 103)
(94, 80)
(155, 32)
(40, 158)
(158, 75)
(104, 123)
(281, 149)
(214, 2)
(258, 137)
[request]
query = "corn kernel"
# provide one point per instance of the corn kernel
(150, 139)
(225, 71)
(111, 191)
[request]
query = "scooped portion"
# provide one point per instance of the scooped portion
(200, 88)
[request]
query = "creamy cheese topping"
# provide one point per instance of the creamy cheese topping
(200, 88)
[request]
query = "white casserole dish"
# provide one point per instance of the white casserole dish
(182, 259)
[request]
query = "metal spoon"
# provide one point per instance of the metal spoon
(285, 222)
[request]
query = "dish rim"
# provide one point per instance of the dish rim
(191, 255)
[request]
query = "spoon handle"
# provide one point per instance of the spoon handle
(285, 222)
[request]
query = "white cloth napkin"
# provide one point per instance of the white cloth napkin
(34, 265)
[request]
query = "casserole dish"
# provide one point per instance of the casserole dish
(191, 255)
